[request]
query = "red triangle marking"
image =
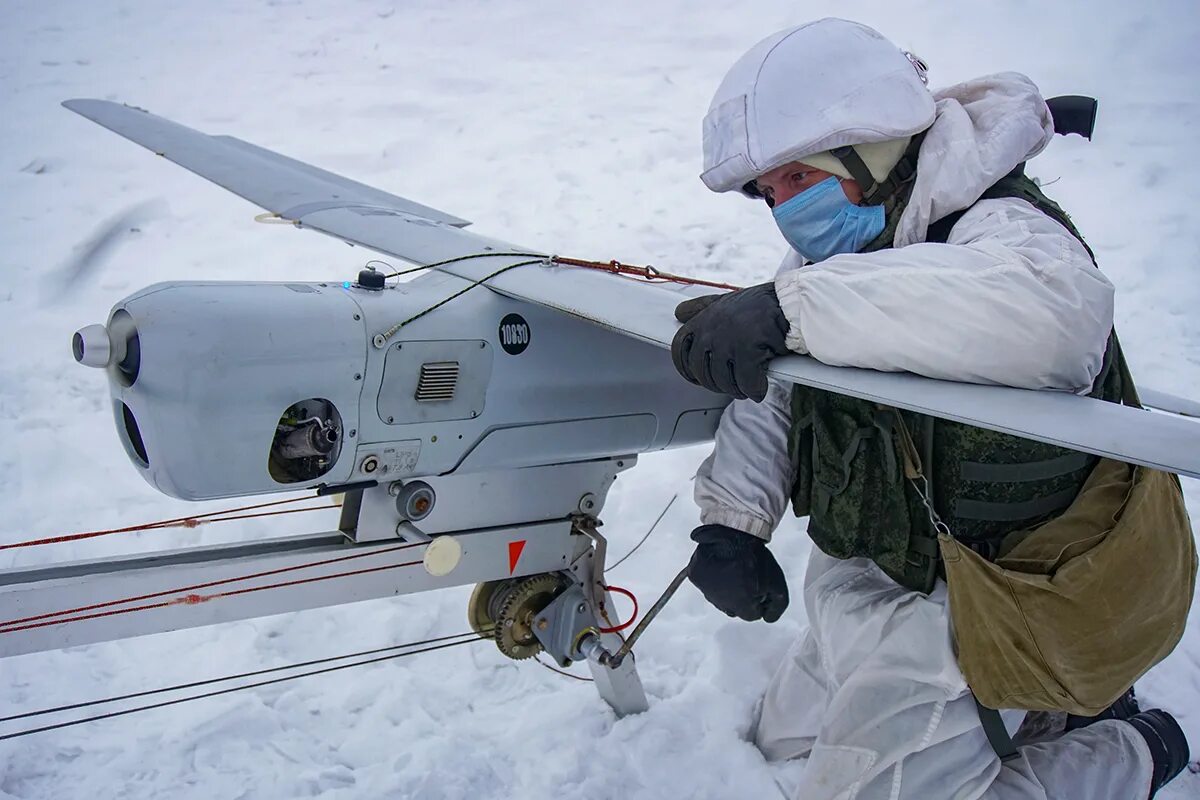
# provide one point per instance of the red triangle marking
(514, 554)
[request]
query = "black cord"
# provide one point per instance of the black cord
(461, 292)
(471, 637)
(538, 256)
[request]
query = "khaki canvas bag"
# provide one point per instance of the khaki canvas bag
(1072, 612)
(1075, 610)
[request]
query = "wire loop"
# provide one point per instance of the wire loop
(632, 617)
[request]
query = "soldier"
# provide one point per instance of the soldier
(896, 265)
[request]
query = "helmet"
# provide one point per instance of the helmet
(832, 93)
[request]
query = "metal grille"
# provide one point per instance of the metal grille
(437, 383)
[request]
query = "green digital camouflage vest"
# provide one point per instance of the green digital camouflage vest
(850, 477)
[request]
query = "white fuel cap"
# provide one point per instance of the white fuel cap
(442, 556)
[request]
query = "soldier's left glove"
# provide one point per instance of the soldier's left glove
(727, 340)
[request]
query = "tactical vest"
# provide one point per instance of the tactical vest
(850, 477)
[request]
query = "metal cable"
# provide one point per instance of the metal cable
(471, 637)
(210, 681)
(564, 672)
(647, 536)
(64, 615)
(183, 522)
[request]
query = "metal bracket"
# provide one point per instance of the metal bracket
(559, 625)
(576, 613)
(592, 572)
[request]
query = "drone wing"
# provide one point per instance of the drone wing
(358, 214)
(277, 183)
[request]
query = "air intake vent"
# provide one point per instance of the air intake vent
(438, 381)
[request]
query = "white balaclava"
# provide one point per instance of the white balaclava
(806, 91)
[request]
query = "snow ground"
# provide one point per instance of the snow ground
(560, 125)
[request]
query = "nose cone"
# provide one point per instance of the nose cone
(92, 346)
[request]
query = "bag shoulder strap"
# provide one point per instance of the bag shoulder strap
(1015, 184)
(1129, 393)
(996, 732)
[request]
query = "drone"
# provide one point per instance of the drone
(471, 419)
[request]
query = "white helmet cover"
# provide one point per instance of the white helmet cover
(809, 89)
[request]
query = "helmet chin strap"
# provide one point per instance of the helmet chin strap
(857, 168)
(876, 192)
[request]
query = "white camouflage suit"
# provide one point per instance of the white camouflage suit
(872, 695)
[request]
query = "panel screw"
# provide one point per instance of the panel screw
(357, 317)
(353, 432)
(433, 438)
(358, 376)
(582, 608)
(391, 420)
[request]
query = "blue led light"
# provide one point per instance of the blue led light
(345, 284)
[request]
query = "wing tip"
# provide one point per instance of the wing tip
(88, 106)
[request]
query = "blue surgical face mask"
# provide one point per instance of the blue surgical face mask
(820, 222)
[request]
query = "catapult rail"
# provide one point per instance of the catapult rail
(76, 603)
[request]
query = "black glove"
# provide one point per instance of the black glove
(727, 340)
(737, 573)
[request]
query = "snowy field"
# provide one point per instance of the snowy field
(565, 126)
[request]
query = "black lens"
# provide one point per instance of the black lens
(134, 435)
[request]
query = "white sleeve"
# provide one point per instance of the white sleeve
(746, 483)
(1012, 298)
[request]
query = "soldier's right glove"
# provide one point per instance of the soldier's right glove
(727, 340)
(737, 573)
